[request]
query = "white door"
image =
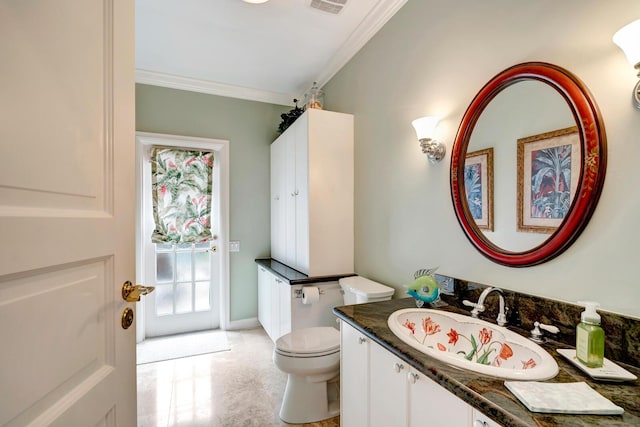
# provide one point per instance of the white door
(187, 277)
(66, 212)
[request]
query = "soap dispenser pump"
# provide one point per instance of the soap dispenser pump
(590, 336)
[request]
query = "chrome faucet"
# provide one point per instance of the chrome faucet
(479, 306)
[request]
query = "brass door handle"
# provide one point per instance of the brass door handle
(131, 292)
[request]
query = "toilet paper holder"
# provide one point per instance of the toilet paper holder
(298, 292)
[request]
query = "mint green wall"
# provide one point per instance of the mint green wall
(432, 57)
(250, 127)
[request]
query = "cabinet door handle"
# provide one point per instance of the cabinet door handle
(362, 340)
(413, 377)
(478, 423)
(398, 367)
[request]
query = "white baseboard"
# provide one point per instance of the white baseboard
(250, 323)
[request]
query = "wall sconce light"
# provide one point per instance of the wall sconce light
(628, 39)
(425, 128)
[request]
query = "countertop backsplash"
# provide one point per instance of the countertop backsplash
(622, 334)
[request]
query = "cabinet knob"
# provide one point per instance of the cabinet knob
(362, 340)
(478, 423)
(398, 367)
(413, 377)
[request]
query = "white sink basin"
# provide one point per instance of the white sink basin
(472, 344)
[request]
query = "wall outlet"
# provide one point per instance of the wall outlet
(234, 245)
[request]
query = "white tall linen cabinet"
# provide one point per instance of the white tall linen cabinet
(312, 187)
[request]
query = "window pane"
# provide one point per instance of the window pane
(164, 267)
(183, 246)
(202, 296)
(203, 266)
(184, 267)
(164, 246)
(183, 298)
(164, 300)
(203, 245)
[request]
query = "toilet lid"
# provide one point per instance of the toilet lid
(309, 341)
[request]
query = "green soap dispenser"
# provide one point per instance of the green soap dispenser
(590, 336)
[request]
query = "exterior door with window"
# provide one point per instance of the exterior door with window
(67, 205)
(184, 269)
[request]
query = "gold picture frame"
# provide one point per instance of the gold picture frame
(548, 174)
(478, 184)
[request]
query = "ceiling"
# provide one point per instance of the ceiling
(270, 52)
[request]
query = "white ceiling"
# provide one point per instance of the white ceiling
(270, 52)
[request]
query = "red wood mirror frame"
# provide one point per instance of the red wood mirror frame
(592, 171)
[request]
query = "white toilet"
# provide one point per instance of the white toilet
(311, 358)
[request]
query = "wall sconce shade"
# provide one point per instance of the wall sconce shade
(425, 128)
(628, 39)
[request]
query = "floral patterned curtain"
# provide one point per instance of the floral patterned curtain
(181, 188)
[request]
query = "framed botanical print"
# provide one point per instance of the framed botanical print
(548, 174)
(478, 184)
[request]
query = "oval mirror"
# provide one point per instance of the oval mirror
(528, 164)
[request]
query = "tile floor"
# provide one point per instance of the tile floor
(236, 388)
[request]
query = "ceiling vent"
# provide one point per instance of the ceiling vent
(330, 6)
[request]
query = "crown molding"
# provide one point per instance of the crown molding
(204, 86)
(375, 20)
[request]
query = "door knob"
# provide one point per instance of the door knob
(131, 292)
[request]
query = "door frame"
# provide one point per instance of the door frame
(221, 158)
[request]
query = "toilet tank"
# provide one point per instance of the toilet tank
(358, 290)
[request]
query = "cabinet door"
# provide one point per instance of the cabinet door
(264, 298)
(274, 320)
(278, 219)
(431, 404)
(284, 313)
(290, 195)
(301, 136)
(354, 377)
(388, 388)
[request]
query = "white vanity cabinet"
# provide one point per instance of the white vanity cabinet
(380, 389)
(312, 194)
(274, 304)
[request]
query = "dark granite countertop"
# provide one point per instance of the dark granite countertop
(489, 394)
(294, 277)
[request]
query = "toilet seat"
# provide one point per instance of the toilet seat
(309, 342)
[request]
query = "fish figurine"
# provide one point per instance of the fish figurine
(425, 288)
